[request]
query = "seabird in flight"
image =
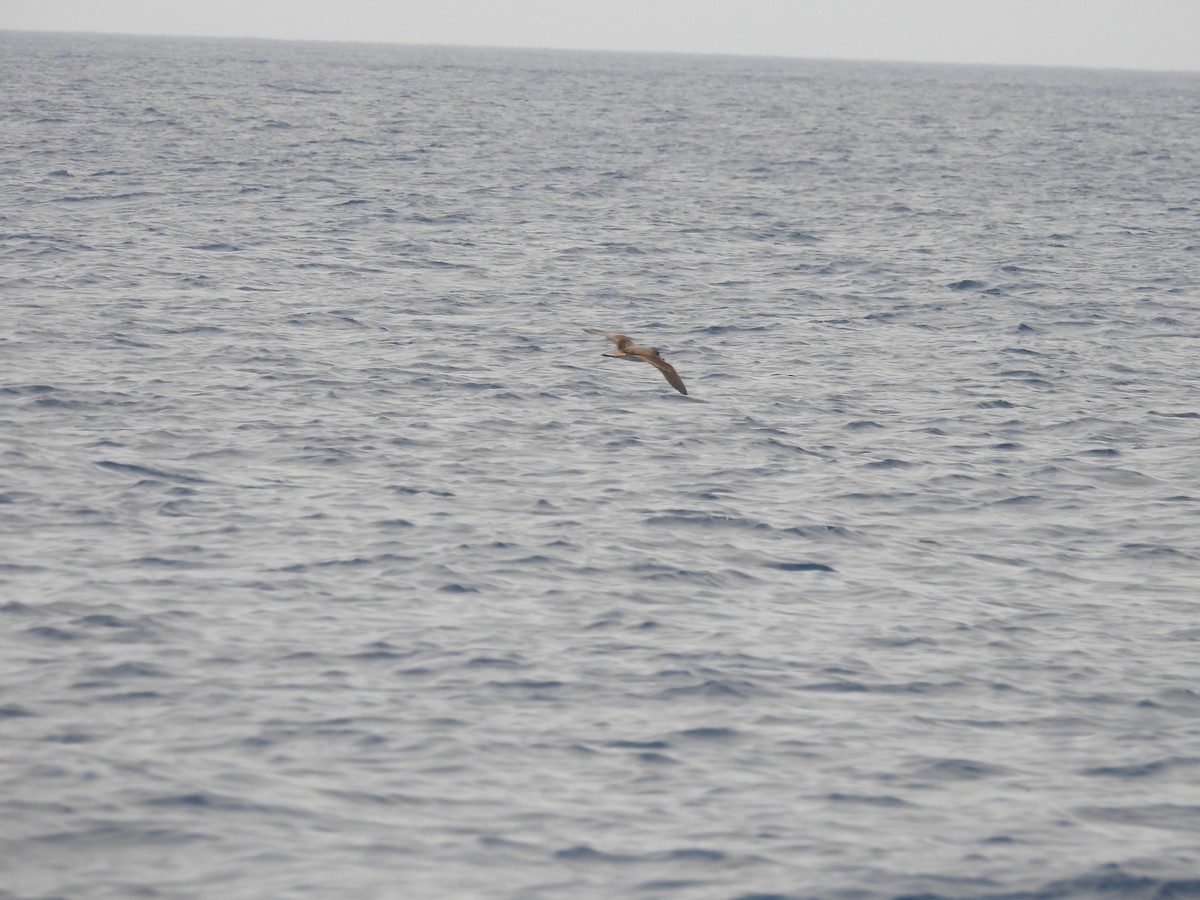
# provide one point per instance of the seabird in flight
(627, 349)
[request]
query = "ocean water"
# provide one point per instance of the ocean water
(336, 561)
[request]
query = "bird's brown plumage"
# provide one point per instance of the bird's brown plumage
(628, 349)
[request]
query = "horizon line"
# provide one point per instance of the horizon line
(533, 48)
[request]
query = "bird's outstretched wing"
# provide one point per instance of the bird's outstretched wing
(669, 370)
(611, 335)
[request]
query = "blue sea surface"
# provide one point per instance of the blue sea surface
(336, 561)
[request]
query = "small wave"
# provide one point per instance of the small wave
(962, 770)
(713, 689)
(836, 687)
(800, 566)
(711, 733)
(49, 632)
(493, 661)
(1170, 816)
(1144, 770)
(586, 854)
(690, 517)
(217, 248)
(527, 685)
(637, 745)
(394, 523)
(167, 562)
(127, 670)
(149, 472)
(867, 799)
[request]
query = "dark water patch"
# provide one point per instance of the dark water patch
(50, 633)
(1170, 816)
(657, 759)
(382, 651)
(889, 463)
(167, 563)
(902, 642)
(14, 711)
(128, 670)
(800, 566)
(339, 563)
(713, 689)
(657, 572)
(217, 247)
(695, 517)
(669, 885)
(527, 685)
(1024, 374)
(817, 532)
(794, 448)
(696, 855)
(1018, 500)
(961, 770)
(494, 662)
(966, 284)
(150, 472)
(1111, 882)
(101, 620)
(130, 697)
(17, 608)
(195, 329)
(110, 836)
(13, 568)
(918, 687)
(207, 800)
(966, 723)
(1169, 765)
(1001, 839)
(401, 489)
(1001, 560)
(836, 687)
(583, 853)
(1155, 551)
(105, 198)
(28, 389)
(730, 329)
(711, 734)
(70, 737)
(867, 799)
(60, 403)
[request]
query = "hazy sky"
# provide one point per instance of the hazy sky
(1143, 34)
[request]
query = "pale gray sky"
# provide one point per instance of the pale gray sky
(1140, 34)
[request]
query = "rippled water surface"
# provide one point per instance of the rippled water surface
(335, 560)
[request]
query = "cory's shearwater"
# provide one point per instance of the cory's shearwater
(627, 349)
